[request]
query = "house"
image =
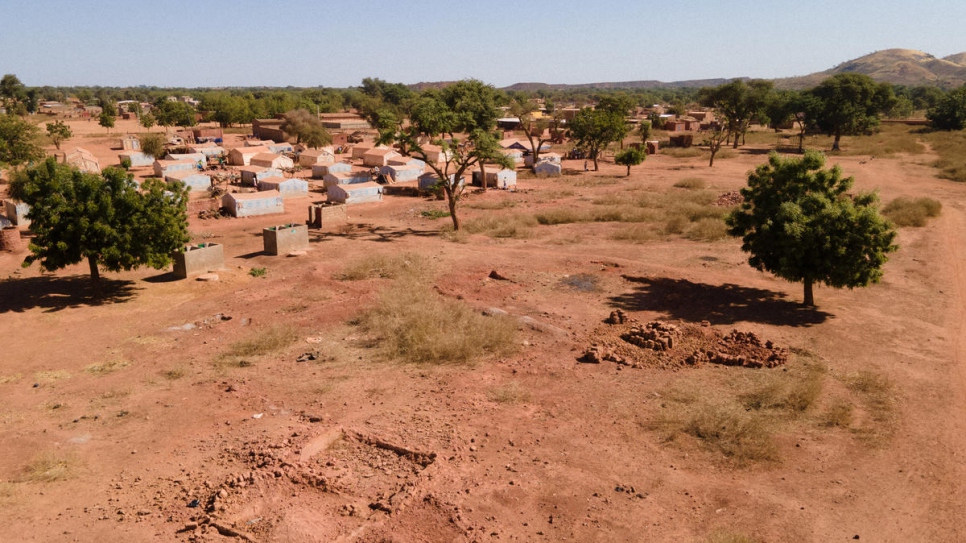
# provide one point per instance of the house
(546, 167)
(288, 188)
(164, 167)
(435, 154)
(311, 157)
(17, 212)
(208, 149)
(242, 156)
(405, 161)
(360, 151)
(552, 157)
(83, 160)
(319, 171)
(378, 157)
(358, 193)
(402, 173)
(343, 121)
(194, 180)
(346, 178)
(199, 158)
(268, 129)
(516, 155)
(429, 179)
(511, 143)
(279, 148)
(137, 158)
(259, 143)
(130, 143)
(675, 126)
(251, 175)
(207, 134)
(250, 204)
(502, 179)
(271, 160)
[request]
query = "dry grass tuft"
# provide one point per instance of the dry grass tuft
(838, 415)
(510, 393)
(732, 431)
(105, 368)
(691, 183)
(385, 267)
(912, 212)
(707, 229)
(265, 341)
(878, 399)
(4, 379)
(413, 324)
(50, 467)
(51, 376)
(507, 225)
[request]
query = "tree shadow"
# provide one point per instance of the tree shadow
(166, 277)
(370, 232)
(58, 293)
(718, 304)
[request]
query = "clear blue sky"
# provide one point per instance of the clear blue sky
(337, 43)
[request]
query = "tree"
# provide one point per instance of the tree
(18, 141)
(644, 130)
(533, 128)
(798, 222)
(306, 127)
(58, 133)
(595, 129)
(147, 121)
(851, 104)
(153, 144)
(717, 136)
(632, 156)
(106, 120)
(950, 112)
(738, 103)
(101, 218)
(13, 95)
(172, 113)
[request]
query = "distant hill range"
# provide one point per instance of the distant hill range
(895, 66)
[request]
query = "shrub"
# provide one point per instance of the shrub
(911, 212)
(257, 272)
(708, 229)
(386, 267)
(265, 341)
(691, 183)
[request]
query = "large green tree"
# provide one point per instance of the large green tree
(104, 218)
(632, 156)
(799, 222)
(738, 103)
(851, 104)
(18, 141)
(172, 113)
(950, 112)
(306, 127)
(595, 129)
(58, 132)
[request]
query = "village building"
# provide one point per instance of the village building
(272, 160)
(547, 167)
(137, 158)
(360, 151)
(311, 157)
(288, 187)
(251, 175)
(198, 158)
(251, 204)
(319, 171)
(164, 167)
(402, 173)
(83, 160)
(192, 179)
(269, 129)
(378, 157)
(429, 179)
(343, 121)
(501, 179)
(346, 178)
(552, 157)
(210, 150)
(357, 193)
(17, 212)
(242, 156)
(130, 143)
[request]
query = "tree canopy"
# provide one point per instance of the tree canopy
(595, 129)
(799, 222)
(739, 103)
(950, 111)
(58, 132)
(18, 141)
(172, 113)
(632, 156)
(101, 218)
(851, 104)
(306, 127)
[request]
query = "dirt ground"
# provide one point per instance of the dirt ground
(120, 423)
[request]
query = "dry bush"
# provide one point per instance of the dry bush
(491, 205)
(838, 415)
(265, 341)
(888, 141)
(105, 368)
(506, 225)
(911, 212)
(636, 234)
(708, 229)
(4, 379)
(691, 183)
(386, 267)
(877, 396)
(509, 393)
(414, 324)
(49, 467)
(561, 215)
(732, 431)
(173, 374)
(51, 376)
(790, 393)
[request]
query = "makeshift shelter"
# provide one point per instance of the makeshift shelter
(251, 175)
(550, 157)
(259, 143)
(435, 154)
(242, 156)
(311, 157)
(279, 148)
(378, 157)
(514, 154)
(271, 160)
(405, 161)
(357, 193)
(130, 143)
(289, 188)
(319, 171)
(360, 151)
(250, 204)
(137, 158)
(208, 149)
(346, 178)
(16, 212)
(502, 179)
(83, 160)
(401, 174)
(546, 167)
(164, 167)
(199, 158)
(194, 180)
(429, 179)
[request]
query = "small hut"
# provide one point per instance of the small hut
(429, 179)
(546, 167)
(272, 160)
(210, 150)
(130, 143)
(319, 171)
(194, 180)
(164, 167)
(311, 157)
(502, 179)
(250, 204)
(346, 178)
(357, 193)
(242, 156)
(83, 160)
(199, 158)
(378, 157)
(292, 187)
(401, 174)
(137, 158)
(251, 175)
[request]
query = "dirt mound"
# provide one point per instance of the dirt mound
(665, 345)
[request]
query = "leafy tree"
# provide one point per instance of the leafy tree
(228, 110)
(595, 129)
(13, 94)
(798, 222)
(738, 103)
(644, 130)
(58, 132)
(851, 104)
(171, 113)
(103, 219)
(950, 112)
(18, 141)
(717, 136)
(106, 120)
(533, 128)
(631, 156)
(464, 107)
(306, 127)
(153, 144)
(147, 121)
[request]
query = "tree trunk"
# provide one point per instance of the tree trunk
(451, 200)
(483, 174)
(711, 162)
(809, 297)
(95, 274)
(628, 170)
(596, 166)
(835, 143)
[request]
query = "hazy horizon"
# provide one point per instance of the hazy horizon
(308, 44)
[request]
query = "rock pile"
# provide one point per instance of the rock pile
(656, 335)
(742, 349)
(730, 199)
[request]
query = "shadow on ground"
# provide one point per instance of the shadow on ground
(57, 293)
(718, 304)
(371, 232)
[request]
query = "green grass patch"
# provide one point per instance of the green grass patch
(258, 272)
(434, 214)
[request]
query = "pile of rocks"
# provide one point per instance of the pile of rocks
(655, 335)
(730, 199)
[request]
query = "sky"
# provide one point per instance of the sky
(301, 43)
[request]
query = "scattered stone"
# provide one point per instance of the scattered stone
(729, 199)
(498, 276)
(309, 356)
(616, 317)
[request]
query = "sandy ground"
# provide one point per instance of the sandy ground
(530, 447)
